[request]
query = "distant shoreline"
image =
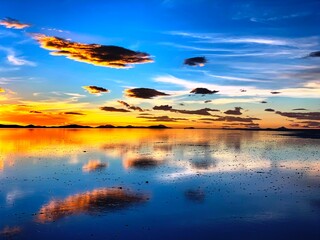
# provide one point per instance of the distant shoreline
(283, 129)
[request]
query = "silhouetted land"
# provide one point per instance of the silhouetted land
(82, 126)
(302, 133)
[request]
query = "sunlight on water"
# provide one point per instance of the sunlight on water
(133, 183)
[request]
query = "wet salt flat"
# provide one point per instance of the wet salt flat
(158, 184)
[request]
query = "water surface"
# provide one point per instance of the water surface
(158, 184)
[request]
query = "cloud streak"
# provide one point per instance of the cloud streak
(202, 111)
(162, 118)
(131, 107)
(113, 109)
(300, 115)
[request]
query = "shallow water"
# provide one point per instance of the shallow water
(158, 184)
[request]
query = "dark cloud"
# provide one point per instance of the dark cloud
(275, 92)
(250, 125)
(299, 109)
(13, 23)
(207, 101)
(230, 119)
(73, 113)
(132, 107)
(269, 110)
(263, 102)
(301, 116)
(311, 124)
(162, 119)
(145, 114)
(35, 111)
(236, 111)
(203, 111)
(163, 107)
(96, 54)
(95, 202)
(203, 91)
(294, 125)
(314, 54)
(113, 109)
(195, 61)
(124, 103)
(243, 90)
(145, 93)
(95, 89)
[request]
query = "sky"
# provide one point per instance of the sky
(195, 63)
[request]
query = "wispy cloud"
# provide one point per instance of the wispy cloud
(309, 89)
(13, 59)
(13, 23)
(278, 18)
(305, 42)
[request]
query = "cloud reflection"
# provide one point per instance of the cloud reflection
(93, 165)
(94, 202)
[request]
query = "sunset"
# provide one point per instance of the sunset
(180, 118)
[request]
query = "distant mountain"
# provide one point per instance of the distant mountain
(106, 126)
(158, 126)
(73, 126)
(282, 129)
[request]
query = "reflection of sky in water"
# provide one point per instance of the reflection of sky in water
(88, 184)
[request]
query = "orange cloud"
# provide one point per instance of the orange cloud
(13, 23)
(95, 89)
(94, 202)
(96, 54)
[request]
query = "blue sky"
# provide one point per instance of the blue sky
(257, 46)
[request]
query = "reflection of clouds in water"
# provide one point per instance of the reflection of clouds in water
(93, 165)
(13, 195)
(191, 151)
(94, 202)
(9, 232)
(195, 195)
(140, 156)
(311, 168)
(217, 163)
(141, 163)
